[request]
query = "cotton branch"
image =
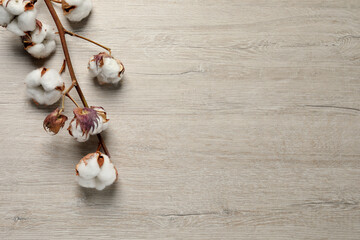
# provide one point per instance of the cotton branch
(62, 32)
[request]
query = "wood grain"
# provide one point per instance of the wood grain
(235, 120)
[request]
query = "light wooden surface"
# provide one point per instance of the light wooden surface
(236, 120)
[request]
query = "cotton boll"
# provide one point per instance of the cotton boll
(40, 43)
(45, 92)
(27, 20)
(106, 68)
(14, 28)
(76, 10)
(86, 122)
(96, 170)
(5, 17)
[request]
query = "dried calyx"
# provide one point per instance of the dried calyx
(54, 121)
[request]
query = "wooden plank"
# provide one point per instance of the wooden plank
(235, 120)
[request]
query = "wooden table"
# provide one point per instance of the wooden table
(235, 120)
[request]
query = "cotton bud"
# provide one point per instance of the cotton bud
(40, 43)
(44, 86)
(5, 16)
(95, 170)
(76, 10)
(54, 122)
(106, 68)
(86, 122)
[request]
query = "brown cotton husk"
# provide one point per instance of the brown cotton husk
(67, 8)
(122, 67)
(43, 71)
(100, 160)
(30, 5)
(60, 88)
(39, 25)
(54, 121)
(27, 41)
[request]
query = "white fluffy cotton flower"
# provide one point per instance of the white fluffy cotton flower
(76, 10)
(40, 43)
(18, 15)
(106, 68)
(86, 122)
(44, 86)
(95, 170)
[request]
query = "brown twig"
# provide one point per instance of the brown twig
(98, 148)
(62, 69)
(61, 30)
(57, 1)
(89, 40)
(73, 100)
(66, 93)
